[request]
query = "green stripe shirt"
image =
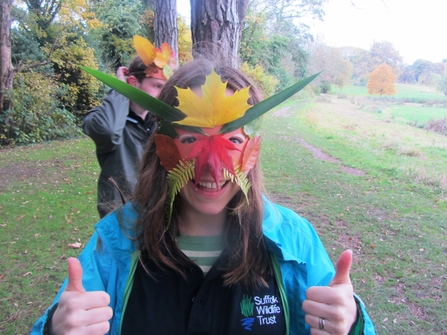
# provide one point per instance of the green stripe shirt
(202, 250)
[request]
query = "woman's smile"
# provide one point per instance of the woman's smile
(210, 185)
(208, 197)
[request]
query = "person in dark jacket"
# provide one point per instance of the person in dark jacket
(121, 128)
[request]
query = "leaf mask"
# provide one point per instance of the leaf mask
(214, 110)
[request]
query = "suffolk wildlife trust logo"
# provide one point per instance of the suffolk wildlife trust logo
(247, 310)
(266, 309)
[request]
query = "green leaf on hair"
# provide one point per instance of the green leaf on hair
(253, 128)
(167, 129)
(191, 129)
(266, 105)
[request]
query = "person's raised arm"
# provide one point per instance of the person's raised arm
(78, 311)
(105, 123)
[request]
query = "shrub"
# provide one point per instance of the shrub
(416, 124)
(81, 88)
(36, 113)
(325, 86)
(437, 126)
(265, 82)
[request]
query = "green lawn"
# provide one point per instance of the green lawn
(385, 198)
(417, 113)
(47, 201)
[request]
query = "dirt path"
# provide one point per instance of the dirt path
(317, 152)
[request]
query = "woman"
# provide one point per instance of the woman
(199, 250)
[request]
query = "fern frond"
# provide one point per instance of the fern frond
(177, 178)
(240, 179)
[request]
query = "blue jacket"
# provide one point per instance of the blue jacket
(110, 257)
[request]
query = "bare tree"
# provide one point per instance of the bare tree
(216, 27)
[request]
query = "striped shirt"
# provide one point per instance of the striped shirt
(202, 250)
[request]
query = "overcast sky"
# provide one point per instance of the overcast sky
(417, 29)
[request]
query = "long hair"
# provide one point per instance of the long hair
(248, 260)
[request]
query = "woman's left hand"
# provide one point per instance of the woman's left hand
(332, 309)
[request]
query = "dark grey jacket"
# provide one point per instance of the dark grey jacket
(120, 141)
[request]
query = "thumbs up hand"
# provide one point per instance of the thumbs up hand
(78, 311)
(332, 309)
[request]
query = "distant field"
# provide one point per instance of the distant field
(412, 104)
(404, 91)
(417, 113)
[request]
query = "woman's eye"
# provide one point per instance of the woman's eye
(186, 139)
(237, 139)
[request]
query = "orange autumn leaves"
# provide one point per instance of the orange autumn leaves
(381, 81)
(149, 54)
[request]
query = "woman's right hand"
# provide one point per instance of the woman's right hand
(78, 311)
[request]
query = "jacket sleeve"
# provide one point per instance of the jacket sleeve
(93, 278)
(303, 260)
(105, 123)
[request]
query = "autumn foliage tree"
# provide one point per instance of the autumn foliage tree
(381, 81)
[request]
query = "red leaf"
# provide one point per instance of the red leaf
(212, 153)
(167, 151)
(251, 153)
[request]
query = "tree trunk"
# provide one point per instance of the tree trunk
(6, 69)
(165, 23)
(216, 28)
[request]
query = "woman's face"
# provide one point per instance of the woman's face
(208, 196)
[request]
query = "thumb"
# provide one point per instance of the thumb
(342, 269)
(74, 276)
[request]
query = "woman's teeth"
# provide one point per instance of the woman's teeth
(211, 185)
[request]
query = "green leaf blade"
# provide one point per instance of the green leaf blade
(141, 98)
(266, 105)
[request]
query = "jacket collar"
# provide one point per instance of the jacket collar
(119, 241)
(282, 237)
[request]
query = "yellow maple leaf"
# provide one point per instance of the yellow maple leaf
(214, 108)
(145, 49)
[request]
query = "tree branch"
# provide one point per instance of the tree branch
(31, 66)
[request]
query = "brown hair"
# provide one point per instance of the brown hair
(248, 260)
(138, 69)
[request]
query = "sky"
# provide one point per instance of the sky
(417, 29)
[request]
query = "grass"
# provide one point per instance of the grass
(393, 215)
(417, 113)
(47, 201)
(376, 186)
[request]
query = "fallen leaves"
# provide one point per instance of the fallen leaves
(75, 245)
